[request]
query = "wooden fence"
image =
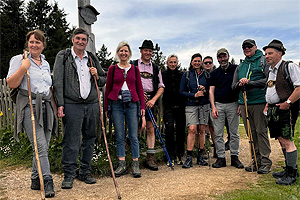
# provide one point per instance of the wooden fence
(6, 106)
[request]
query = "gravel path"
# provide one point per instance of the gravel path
(194, 183)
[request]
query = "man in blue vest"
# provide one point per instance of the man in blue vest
(250, 77)
(283, 93)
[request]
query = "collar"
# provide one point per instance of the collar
(85, 55)
(276, 66)
(141, 62)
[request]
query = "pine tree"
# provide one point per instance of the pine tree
(158, 58)
(104, 58)
(13, 31)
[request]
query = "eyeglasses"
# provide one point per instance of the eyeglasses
(247, 46)
(207, 63)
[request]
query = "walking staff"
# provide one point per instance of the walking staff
(104, 136)
(251, 144)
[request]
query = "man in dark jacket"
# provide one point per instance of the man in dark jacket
(77, 103)
(174, 114)
(250, 77)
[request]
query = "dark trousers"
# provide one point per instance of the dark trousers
(174, 119)
(79, 120)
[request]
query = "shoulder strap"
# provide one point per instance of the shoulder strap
(286, 72)
(187, 79)
(66, 54)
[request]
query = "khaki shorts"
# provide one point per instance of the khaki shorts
(196, 115)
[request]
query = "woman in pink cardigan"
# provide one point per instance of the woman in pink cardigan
(124, 101)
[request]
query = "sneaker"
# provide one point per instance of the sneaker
(236, 162)
(188, 162)
(67, 183)
(150, 162)
(221, 162)
(35, 184)
(87, 178)
(49, 188)
(121, 169)
(136, 172)
(264, 169)
(179, 160)
(249, 168)
(201, 161)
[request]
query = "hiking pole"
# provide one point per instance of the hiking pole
(207, 147)
(36, 151)
(159, 137)
(251, 145)
(104, 136)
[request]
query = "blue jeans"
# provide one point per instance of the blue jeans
(121, 112)
(43, 136)
(79, 119)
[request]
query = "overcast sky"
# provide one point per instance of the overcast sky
(185, 27)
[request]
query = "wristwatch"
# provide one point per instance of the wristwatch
(288, 101)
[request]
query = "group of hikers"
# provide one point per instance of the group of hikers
(203, 99)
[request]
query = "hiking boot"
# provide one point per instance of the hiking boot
(121, 169)
(179, 160)
(150, 163)
(221, 162)
(136, 172)
(279, 174)
(289, 177)
(87, 178)
(35, 184)
(264, 169)
(227, 146)
(188, 162)
(49, 188)
(236, 162)
(249, 168)
(201, 161)
(67, 183)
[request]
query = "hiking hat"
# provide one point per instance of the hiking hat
(222, 50)
(276, 44)
(147, 44)
(249, 41)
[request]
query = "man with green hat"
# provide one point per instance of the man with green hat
(283, 93)
(250, 77)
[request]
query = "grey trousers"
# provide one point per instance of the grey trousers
(259, 130)
(43, 136)
(229, 111)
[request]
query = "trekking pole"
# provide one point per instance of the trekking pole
(104, 136)
(159, 137)
(251, 145)
(36, 151)
(207, 147)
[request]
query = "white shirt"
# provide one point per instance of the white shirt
(84, 74)
(294, 70)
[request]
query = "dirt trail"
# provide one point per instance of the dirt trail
(194, 183)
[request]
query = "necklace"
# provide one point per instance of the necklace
(36, 59)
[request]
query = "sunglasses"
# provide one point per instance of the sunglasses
(207, 63)
(247, 46)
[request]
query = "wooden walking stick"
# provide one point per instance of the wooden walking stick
(34, 134)
(251, 145)
(104, 136)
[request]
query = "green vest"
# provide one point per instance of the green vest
(253, 69)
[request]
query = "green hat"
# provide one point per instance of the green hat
(222, 50)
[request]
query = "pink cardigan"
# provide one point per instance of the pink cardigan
(134, 84)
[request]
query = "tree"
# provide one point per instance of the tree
(158, 58)
(13, 31)
(233, 61)
(37, 15)
(104, 58)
